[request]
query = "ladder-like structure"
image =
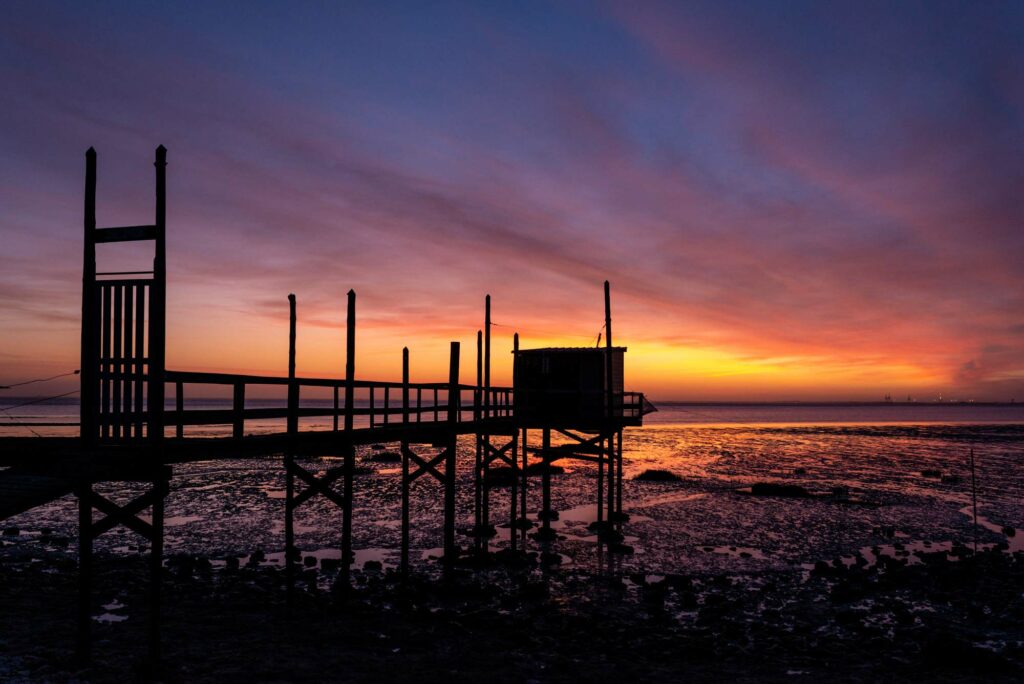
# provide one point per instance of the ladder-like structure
(122, 394)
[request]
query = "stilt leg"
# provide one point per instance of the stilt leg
(289, 525)
(512, 493)
(405, 511)
(347, 557)
(84, 645)
(156, 572)
(546, 480)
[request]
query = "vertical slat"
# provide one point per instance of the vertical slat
(118, 334)
(372, 403)
(387, 403)
(140, 355)
(419, 404)
(105, 366)
(129, 360)
(335, 408)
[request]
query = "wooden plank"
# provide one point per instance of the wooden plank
(125, 234)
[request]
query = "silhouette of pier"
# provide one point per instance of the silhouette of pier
(128, 435)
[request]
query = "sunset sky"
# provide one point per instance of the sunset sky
(791, 200)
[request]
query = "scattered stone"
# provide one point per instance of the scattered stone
(539, 467)
(501, 476)
(373, 567)
(309, 561)
(1010, 531)
(11, 531)
(936, 474)
(657, 475)
(779, 489)
(386, 457)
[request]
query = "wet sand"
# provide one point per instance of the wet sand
(720, 583)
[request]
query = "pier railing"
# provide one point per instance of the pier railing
(379, 404)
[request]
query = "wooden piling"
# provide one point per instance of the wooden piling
(350, 452)
(84, 641)
(513, 494)
(156, 565)
(610, 399)
(545, 479)
(404, 563)
(89, 351)
(478, 412)
(293, 426)
(450, 550)
(158, 309)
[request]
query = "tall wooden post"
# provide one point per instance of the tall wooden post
(487, 356)
(293, 426)
(479, 400)
(350, 452)
(450, 550)
(610, 400)
(404, 563)
(513, 494)
(89, 362)
(546, 513)
(158, 307)
(485, 515)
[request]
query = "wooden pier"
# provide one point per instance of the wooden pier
(127, 434)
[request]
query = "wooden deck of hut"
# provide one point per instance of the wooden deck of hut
(127, 434)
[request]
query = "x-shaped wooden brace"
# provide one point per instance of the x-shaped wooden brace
(315, 485)
(583, 442)
(493, 453)
(124, 515)
(425, 466)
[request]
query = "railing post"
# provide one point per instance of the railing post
(238, 424)
(179, 404)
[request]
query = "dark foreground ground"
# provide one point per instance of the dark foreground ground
(944, 619)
